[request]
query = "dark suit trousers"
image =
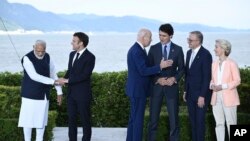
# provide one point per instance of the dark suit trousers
(136, 118)
(172, 109)
(197, 119)
(82, 107)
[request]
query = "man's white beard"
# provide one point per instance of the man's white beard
(38, 57)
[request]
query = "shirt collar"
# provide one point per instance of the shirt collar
(196, 49)
(81, 52)
(140, 45)
(168, 44)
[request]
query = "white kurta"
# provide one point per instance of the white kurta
(34, 113)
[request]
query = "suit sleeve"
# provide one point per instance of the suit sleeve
(206, 73)
(69, 63)
(140, 63)
(185, 73)
(154, 78)
(181, 67)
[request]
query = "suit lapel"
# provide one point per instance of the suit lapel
(140, 48)
(83, 54)
(188, 58)
(79, 59)
(71, 60)
(197, 56)
(159, 52)
(171, 51)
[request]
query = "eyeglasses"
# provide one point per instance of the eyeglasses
(190, 40)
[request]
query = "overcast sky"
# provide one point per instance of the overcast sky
(223, 13)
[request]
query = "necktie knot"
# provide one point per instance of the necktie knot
(165, 47)
(77, 55)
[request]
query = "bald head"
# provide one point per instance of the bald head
(144, 37)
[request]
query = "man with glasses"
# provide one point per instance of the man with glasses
(197, 80)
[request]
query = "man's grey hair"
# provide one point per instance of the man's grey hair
(40, 42)
(199, 35)
(142, 33)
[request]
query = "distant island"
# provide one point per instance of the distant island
(25, 17)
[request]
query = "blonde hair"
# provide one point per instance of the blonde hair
(225, 44)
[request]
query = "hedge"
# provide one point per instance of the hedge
(185, 127)
(10, 79)
(110, 105)
(9, 129)
(14, 79)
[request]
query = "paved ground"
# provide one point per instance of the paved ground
(98, 134)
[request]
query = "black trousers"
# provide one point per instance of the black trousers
(82, 107)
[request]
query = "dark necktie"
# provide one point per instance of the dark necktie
(165, 53)
(191, 58)
(145, 51)
(77, 55)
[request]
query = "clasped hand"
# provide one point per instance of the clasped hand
(164, 81)
(216, 88)
(61, 81)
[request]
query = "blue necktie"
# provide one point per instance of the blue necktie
(165, 53)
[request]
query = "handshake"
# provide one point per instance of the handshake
(61, 81)
(166, 63)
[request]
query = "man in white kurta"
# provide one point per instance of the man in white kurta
(35, 90)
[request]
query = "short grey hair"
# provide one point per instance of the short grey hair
(40, 42)
(142, 33)
(225, 44)
(199, 35)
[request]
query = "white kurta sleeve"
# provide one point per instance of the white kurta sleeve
(54, 76)
(30, 69)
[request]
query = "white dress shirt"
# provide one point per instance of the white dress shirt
(193, 54)
(81, 52)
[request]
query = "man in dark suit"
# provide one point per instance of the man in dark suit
(166, 82)
(197, 79)
(78, 77)
(138, 83)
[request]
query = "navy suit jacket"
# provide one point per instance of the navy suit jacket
(198, 76)
(79, 86)
(138, 80)
(176, 54)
